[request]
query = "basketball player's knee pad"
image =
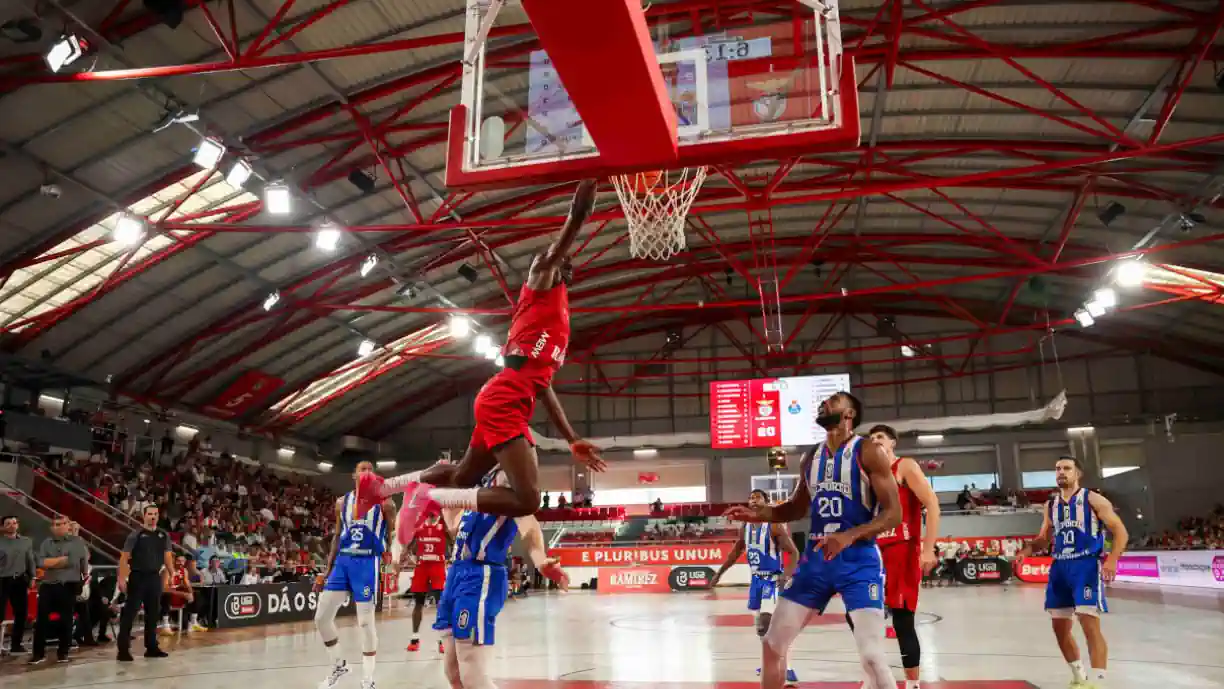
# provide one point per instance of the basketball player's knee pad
(907, 637)
(763, 623)
(329, 604)
(365, 622)
(784, 626)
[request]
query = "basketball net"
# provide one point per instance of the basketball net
(656, 205)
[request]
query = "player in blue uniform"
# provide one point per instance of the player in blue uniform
(847, 485)
(765, 544)
(353, 570)
(478, 583)
(1076, 519)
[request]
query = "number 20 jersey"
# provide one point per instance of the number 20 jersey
(842, 497)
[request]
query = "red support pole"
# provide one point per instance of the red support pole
(216, 29)
(305, 23)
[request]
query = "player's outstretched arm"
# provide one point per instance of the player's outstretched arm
(794, 508)
(584, 452)
(334, 550)
(580, 210)
(1042, 540)
(533, 537)
(736, 551)
(1105, 512)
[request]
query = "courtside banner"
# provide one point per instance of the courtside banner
(634, 580)
(709, 554)
(251, 388)
(1194, 568)
(1033, 570)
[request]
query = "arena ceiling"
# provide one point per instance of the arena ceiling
(996, 134)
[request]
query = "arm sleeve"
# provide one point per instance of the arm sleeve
(130, 543)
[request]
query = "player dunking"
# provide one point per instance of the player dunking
(1077, 518)
(849, 489)
(352, 570)
(535, 349)
(765, 543)
(906, 552)
(429, 575)
(477, 586)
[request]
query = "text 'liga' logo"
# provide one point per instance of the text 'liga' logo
(1217, 567)
(242, 606)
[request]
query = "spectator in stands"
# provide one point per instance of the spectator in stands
(17, 570)
(561, 502)
(965, 500)
(214, 575)
(657, 506)
(82, 632)
(546, 500)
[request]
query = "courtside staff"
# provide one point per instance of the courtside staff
(145, 562)
(17, 568)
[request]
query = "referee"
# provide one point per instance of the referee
(145, 553)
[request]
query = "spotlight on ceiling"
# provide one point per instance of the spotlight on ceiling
(492, 353)
(277, 199)
(1130, 273)
(408, 291)
(1110, 213)
(482, 344)
(907, 351)
(366, 348)
(368, 265)
(239, 174)
(1094, 308)
(270, 301)
(65, 51)
(468, 272)
(1084, 318)
(129, 230)
(1106, 297)
(209, 153)
(328, 237)
(362, 180)
(460, 325)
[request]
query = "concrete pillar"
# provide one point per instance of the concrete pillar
(1087, 449)
(1008, 453)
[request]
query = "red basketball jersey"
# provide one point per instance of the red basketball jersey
(540, 331)
(431, 542)
(178, 579)
(910, 528)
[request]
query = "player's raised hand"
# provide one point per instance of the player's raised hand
(551, 569)
(744, 513)
(585, 452)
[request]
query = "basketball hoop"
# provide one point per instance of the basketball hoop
(656, 204)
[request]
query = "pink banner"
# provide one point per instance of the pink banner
(1146, 566)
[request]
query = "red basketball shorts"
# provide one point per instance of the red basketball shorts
(503, 409)
(428, 577)
(902, 574)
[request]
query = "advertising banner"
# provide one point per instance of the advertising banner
(1195, 568)
(634, 580)
(610, 556)
(1033, 570)
(686, 578)
(260, 604)
(251, 388)
(983, 570)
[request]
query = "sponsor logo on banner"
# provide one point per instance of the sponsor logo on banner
(634, 580)
(1034, 570)
(259, 604)
(242, 606)
(984, 570)
(687, 578)
(251, 388)
(1197, 568)
(610, 556)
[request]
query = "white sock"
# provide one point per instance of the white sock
(1077, 670)
(459, 498)
(415, 639)
(1098, 676)
(367, 667)
(396, 483)
(333, 652)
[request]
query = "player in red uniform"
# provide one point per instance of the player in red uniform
(535, 349)
(430, 545)
(906, 552)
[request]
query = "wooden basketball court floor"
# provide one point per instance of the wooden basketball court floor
(973, 638)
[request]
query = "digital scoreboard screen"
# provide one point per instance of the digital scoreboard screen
(768, 412)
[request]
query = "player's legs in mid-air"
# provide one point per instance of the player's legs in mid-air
(856, 575)
(763, 600)
(356, 577)
(1074, 591)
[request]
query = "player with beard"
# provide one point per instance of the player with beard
(847, 485)
(1076, 518)
(535, 349)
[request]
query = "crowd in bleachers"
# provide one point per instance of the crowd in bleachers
(1192, 533)
(259, 523)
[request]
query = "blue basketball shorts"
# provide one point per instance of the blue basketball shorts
(475, 593)
(1075, 586)
(763, 593)
(355, 575)
(856, 574)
